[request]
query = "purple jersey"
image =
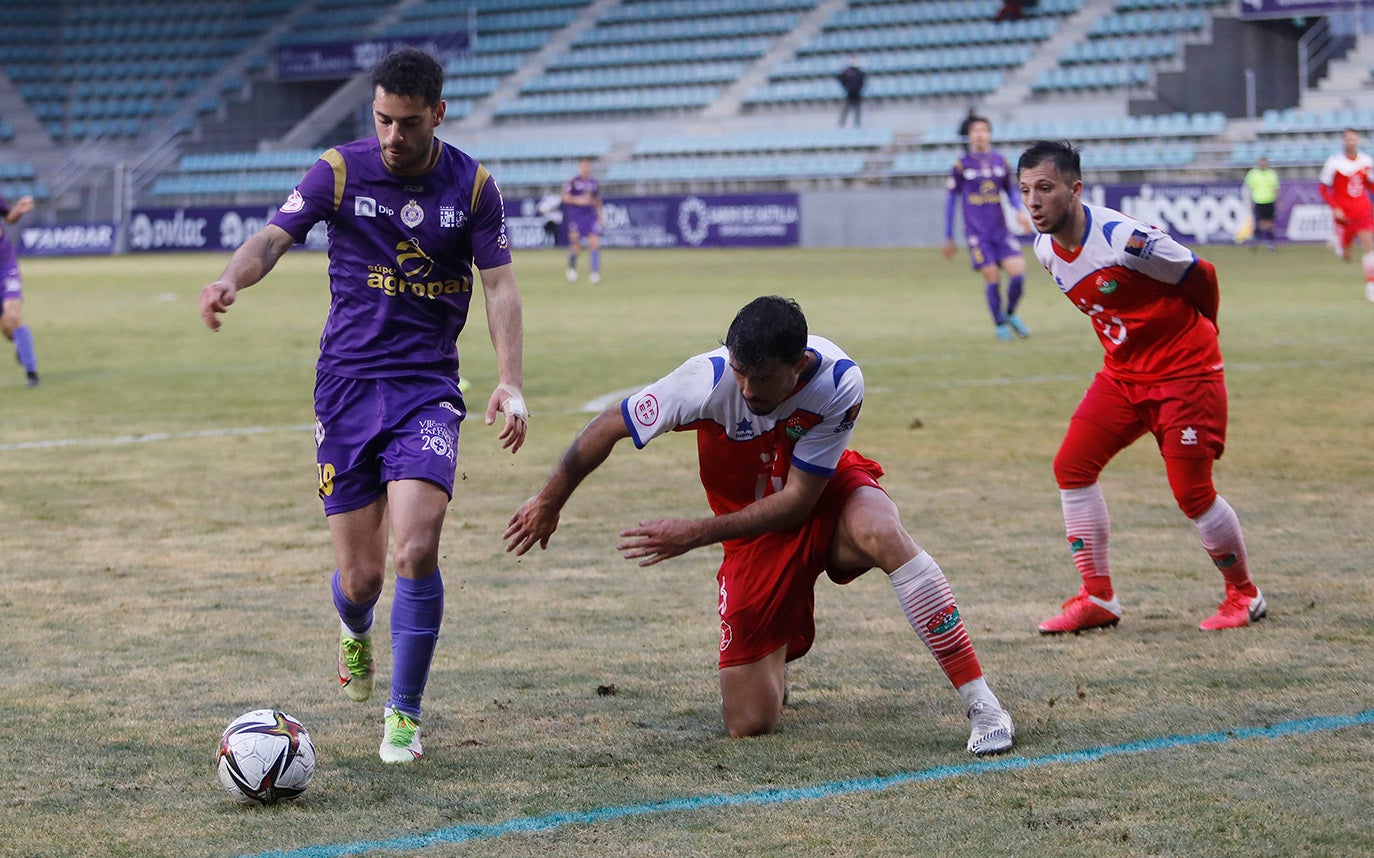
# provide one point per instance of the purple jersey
(11, 287)
(980, 179)
(582, 217)
(401, 255)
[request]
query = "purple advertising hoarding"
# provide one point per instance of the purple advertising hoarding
(695, 220)
(343, 59)
(73, 239)
(1301, 8)
(216, 228)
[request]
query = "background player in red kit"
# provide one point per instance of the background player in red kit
(773, 411)
(1153, 304)
(1345, 184)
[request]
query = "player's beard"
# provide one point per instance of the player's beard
(409, 160)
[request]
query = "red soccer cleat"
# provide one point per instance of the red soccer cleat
(1083, 612)
(1236, 611)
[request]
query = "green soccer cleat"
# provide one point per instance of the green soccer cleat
(355, 665)
(400, 737)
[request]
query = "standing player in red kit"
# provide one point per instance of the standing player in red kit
(1153, 304)
(1345, 185)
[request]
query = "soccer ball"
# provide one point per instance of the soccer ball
(265, 756)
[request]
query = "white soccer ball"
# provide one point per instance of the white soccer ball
(265, 756)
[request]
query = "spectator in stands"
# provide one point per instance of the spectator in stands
(851, 80)
(1014, 10)
(1262, 183)
(980, 178)
(12, 304)
(582, 214)
(410, 217)
(1345, 185)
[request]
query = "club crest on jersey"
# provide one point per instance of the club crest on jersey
(744, 430)
(1140, 244)
(799, 423)
(411, 214)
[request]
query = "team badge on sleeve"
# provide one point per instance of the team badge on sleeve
(294, 203)
(646, 410)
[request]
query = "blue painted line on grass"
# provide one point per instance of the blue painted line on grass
(552, 821)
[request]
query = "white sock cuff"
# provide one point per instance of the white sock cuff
(1219, 509)
(974, 690)
(918, 567)
(1081, 493)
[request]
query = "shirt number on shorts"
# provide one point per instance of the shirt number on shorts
(326, 480)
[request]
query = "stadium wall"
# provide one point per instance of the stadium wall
(873, 217)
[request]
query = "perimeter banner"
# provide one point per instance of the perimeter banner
(695, 220)
(216, 228)
(1211, 213)
(73, 239)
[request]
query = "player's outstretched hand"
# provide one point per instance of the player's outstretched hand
(214, 300)
(653, 541)
(532, 523)
(506, 399)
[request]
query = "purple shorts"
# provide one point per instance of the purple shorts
(583, 219)
(985, 250)
(372, 431)
(11, 287)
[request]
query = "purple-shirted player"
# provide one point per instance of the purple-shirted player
(12, 302)
(582, 214)
(980, 177)
(409, 218)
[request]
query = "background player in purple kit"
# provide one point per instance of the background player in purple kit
(582, 213)
(409, 218)
(980, 177)
(12, 308)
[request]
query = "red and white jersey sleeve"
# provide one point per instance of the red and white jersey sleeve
(745, 456)
(1126, 278)
(1349, 181)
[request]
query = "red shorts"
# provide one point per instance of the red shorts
(767, 585)
(1356, 221)
(1187, 417)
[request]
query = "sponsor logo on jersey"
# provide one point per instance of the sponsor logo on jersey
(1140, 244)
(943, 621)
(727, 634)
(294, 203)
(364, 207)
(448, 217)
(646, 410)
(1108, 287)
(412, 215)
(414, 266)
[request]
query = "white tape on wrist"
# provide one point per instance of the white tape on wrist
(515, 405)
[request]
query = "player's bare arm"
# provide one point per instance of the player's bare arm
(21, 207)
(653, 541)
(249, 264)
(537, 518)
(505, 322)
